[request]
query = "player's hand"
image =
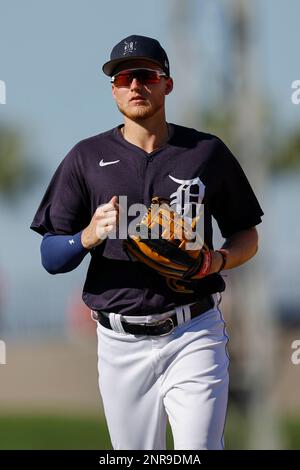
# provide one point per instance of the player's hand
(103, 222)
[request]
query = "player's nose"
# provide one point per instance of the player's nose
(135, 84)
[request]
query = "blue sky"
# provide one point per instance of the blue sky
(280, 39)
(51, 55)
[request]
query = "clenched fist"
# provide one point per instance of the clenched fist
(103, 222)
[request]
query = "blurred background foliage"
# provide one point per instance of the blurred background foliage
(17, 173)
(282, 149)
(286, 152)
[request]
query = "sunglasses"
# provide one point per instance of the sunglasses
(144, 76)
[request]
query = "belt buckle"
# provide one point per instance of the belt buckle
(161, 322)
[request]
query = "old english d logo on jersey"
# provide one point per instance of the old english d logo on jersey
(188, 196)
(187, 200)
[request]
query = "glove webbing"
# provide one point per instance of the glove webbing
(194, 264)
(168, 250)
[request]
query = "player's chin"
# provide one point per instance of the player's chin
(140, 113)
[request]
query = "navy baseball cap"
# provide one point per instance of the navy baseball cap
(137, 47)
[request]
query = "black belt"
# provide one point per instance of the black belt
(160, 327)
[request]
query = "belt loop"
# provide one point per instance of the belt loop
(115, 322)
(217, 298)
(94, 316)
(187, 312)
(179, 314)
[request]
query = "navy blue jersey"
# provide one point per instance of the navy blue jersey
(191, 167)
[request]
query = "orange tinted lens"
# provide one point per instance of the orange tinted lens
(146, 77)
(123, 79)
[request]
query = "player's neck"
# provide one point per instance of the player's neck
(146, 134)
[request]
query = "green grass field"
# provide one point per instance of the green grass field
(70, 433)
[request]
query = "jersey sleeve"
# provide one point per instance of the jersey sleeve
(234, 205)
(65, 207)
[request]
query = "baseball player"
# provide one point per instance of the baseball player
(161, 347)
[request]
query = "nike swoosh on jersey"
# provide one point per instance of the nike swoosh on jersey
(102, 163)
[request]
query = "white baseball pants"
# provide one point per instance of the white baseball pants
(183, 376)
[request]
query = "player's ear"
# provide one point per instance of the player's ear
(113, 88)
(169, 85)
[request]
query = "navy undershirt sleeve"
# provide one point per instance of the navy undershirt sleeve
(62, 253)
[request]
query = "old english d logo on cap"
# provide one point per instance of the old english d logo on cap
(137, 47)
(129, 47)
